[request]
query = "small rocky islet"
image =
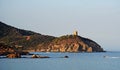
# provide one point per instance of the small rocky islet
(15, 42)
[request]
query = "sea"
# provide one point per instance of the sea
(76, 61)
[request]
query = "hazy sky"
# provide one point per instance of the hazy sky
(98, 20)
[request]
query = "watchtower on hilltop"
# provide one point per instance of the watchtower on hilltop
(75, 33)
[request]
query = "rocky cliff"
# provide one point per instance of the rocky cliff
(70, 43)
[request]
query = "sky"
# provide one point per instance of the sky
(98, 20)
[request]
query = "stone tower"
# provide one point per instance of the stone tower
(75, 33)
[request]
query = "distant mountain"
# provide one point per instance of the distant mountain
(29, 40)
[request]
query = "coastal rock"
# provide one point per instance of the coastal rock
(37, 56)
(89, 49)
(14, 55)
(66, 56)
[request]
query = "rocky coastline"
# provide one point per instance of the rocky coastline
(15, 42)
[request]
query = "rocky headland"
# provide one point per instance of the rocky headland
(14, 40)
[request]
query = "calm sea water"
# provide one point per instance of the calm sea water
(76, 61)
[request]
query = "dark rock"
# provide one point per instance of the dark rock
(66, 57)
(44, 57)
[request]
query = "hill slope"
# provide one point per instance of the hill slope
(14, 36)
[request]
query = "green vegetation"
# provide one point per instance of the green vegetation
(63, 38)
(13, 36)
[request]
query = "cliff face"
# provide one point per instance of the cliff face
(70, 43)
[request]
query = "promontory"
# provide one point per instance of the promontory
(25, 40)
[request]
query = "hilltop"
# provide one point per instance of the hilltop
(30, 40)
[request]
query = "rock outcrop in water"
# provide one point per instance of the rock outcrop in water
(14, 55)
